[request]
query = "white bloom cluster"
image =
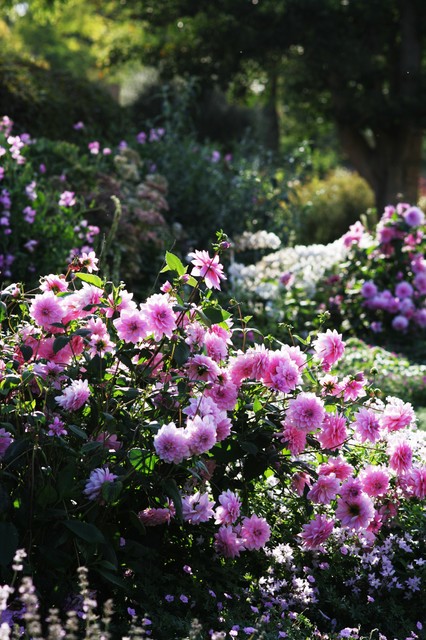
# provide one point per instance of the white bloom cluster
(256, 240)
(307, 265)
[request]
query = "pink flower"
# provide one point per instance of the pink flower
(357, 513)
(354, 235)
(338, 466)
(329, 347)
(398, 414)
(170, 443)
(57, 427)
(353, 387)
(223, 428)
(330, 385)
(208, 268)
(67, 199)
(5, 441)
(255, 532)
(202, 367)
(416, 482)
(224, 393)
(200, 434)
(367, 425)
(46, 309)
(369, 289)
(89, 261)
(333, 433)
(216, 347)
(159, 316)
(229, 510)
(151, 517)
(197, 508)
(401, 456)
(374, 481)
(300, 481)
(324, 490)
(414, 217)
(53, 283)
(306, 412)
(97, 479)
(131, 326)
(293, 438)
(74, 396)
(227, 542)
(281, 374)
(316, 532)
(351, 489)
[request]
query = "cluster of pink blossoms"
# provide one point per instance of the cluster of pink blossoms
(404, 299)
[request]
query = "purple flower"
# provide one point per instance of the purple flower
(97, 479)
(67, 199)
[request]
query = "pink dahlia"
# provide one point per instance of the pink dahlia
(293, 438)
(351, 489)
(201, 367)
(416, 482)
(74, 396)
(333, 431)
(131, 326)
(46, 309)
(229, 509)
(200, 434)
(97, 479)
(316, 532)
(357, 513)
(208, 268)
(398, 414)
(374, 481)
(170, 443)
(159, 315)
(281, 374)
(227, 542)
(400, 456)
(255, 532)
(216, 347)
(151, 517)
(329, 347)
(324, 490)
(338, 466)
(5, 441)
(367, 425)
(197, 508)
(224, 393)
(306, 412)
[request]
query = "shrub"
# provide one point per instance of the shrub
(327, 206)
(160, 447)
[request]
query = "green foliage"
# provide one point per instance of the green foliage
(328, 206)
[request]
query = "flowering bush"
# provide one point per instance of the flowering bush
(151, 440)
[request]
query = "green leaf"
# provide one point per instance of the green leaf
(9, 542)
(171, 489)
(85, 531)
(136, 457)
(111, 491)
(181, 353)
(250, 447)
(90, 278)
(3, 311)
(174, 263)
(216, 315)
(26, 351)
(60, 342)
(112, 577)
(257, 405)
(77, 431)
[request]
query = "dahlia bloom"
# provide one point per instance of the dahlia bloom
(170, 443)
(374, 481)
(227, 543)
(324, 490)
(338, 466)
(229, 509)
(397, 414)
(400, 456)
(208, 268)
(131, 326)
(200, 434)
(224, 393)
(97, 479)
(367, 425)
(159, 315)
(201, 367)
(306, 412)
(316, 532)
(293, 438)
(356, 513)
(46, 309)
(255, 532)
(333, 431)
(414, 216)
(74, 396)
(281, 374)
(152, 517)
(329, 347)
(197, 508)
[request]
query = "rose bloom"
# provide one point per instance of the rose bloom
(329, 347)
(74, 396)
(227, 543)
(316, 532)
(208, 268)
(255, 532)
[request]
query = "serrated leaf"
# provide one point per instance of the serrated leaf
(90, 278)
(85, 531)
(174, 263)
